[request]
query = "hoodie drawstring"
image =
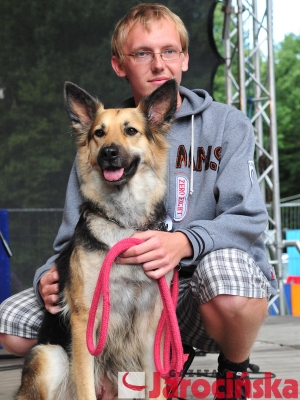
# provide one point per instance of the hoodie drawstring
(192, 158)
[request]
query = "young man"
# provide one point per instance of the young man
(213, 201)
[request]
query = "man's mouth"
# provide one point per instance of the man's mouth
(159, 80)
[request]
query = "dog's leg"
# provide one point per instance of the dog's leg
(147, 330)
(45, 374)
(83, 362)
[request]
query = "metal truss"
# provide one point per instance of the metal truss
(250, 85)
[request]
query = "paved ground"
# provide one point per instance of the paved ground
(277, 350)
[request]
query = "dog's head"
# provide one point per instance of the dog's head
(115, 144)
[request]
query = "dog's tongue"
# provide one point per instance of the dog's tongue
(114, 175)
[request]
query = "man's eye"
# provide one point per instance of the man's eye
(169, 51)
(142, 54)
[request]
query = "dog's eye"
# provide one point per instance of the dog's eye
(131, 131)
(99, 133)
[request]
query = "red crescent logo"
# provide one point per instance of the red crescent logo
(130, 386)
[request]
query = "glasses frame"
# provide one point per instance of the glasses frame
(152, 54)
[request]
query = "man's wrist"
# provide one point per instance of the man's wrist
(186, 249)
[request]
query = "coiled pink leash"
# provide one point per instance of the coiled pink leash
(173, 357)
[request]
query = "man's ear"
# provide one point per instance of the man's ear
(185, 63)
(118, 67)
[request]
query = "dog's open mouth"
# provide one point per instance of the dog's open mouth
(115, 174)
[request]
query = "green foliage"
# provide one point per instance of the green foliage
(219, 88)
(287, 74)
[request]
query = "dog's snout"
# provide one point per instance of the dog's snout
(110, 156)
(109, 153)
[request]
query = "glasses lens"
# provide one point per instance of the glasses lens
(170, 54)
(143, 56)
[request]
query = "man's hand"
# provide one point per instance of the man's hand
(159, 253)
(48, 288)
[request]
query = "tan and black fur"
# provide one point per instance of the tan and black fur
(122, 160)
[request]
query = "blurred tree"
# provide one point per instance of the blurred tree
(287, 75)
(219, 88)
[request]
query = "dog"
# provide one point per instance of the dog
(122, 162)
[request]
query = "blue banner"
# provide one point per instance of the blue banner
(5, 254)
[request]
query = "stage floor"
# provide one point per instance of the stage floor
(277, 350)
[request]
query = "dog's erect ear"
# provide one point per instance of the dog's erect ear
(161, 105)
(81, 107)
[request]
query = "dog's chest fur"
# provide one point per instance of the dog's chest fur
(94, 236)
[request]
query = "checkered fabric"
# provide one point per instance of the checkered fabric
(225, 271)
(21, 315)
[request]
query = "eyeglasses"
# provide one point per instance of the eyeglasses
(148, 56)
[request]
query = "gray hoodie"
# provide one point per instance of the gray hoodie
(214, 199)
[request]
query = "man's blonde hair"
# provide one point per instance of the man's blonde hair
(144, 14)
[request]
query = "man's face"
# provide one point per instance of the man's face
(144, 78)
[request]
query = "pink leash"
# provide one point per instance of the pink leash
(172, 365)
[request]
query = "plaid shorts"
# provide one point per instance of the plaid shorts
(227, 271)
(21, 315)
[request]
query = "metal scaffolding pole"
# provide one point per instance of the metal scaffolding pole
(248, 47)
(258, 123)
(241, 57)
(274, 152)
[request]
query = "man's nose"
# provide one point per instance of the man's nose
(157, 62)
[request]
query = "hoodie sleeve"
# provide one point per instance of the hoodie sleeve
(240, 213)
(67, 227)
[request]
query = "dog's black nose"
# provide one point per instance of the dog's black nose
(109, 153)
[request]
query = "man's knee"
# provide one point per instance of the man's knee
(16, 345)
(226, 310)
(236, 307)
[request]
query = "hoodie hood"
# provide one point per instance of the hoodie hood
(193, 102)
